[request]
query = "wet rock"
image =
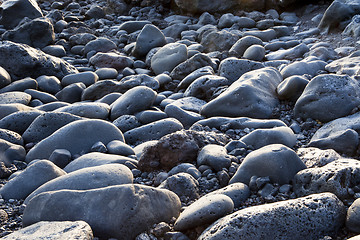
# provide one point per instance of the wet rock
(126, 210)
(312, 217)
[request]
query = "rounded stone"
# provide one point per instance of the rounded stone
(87, 78)
(168, 57)
(254, 52)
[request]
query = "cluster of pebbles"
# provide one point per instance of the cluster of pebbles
(128, 122)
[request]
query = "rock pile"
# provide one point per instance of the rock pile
(127, 122)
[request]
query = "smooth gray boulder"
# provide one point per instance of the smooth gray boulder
(253, 95)
(255, 53)
(87, 110)
(310, 67)
(218, 41)
(86, 78)
(14, 11)
(288, 54)
(121, 211)
(30, 62)
(149, 37)
(214, 156)
(263, 137)
(10, 152)
(336, 177)
(353, 217)
(37, 33)
(328, 97)
(152, 131)
(207, 70)
(132, 101)
(20, 85)
(46, 124)
(291, 88)
(203, 211)
(311, 217)
(276, 161)
(168, 57)
(339, 134)
(94, 159)
(19, 121)
(244, 43)
(233, 68)
(12, 137)
(30, 179)
(87, 178)
(133, 26)
(238, 192)
(111, 59)
(5, 78)
(77, 137)
(132, 81)
(53, 230)
(100, 44)
(15, 97)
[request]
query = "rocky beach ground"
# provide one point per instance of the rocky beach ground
(169, 120)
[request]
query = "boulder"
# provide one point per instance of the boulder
(168, 57)
(77, 137)
(311, 217)
(149, 37)
(328, 97)
(26, 61)
(121, 211)
(253, 95)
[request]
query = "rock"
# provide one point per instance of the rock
(218, 41)
(346, 65)
(7, 109)
(289, 54)
(338, 134)
(187, 118)
(352, 217)
(60, 157)
(192, 104)
(5, 78)
(239, 123)
(132, 81)
(310, 217)
(55, 50)
(87, 178)
(97, 159)
(37, 33)
(253, 95)
(149, 116)
(339, 90)
(255, 52)
(11, 137)
(126, 122)
(15, 97)
(352, 29)
(87, 110)
(205, 86)
(207, 70)
(99, 45)
(336, 177)
(233, 68)
(71, 93)
(46, 124)
(149, 37)
(20, 85)
(111, 59)
(95, 12)
(186, 168)
(238, 193)
(226, 20)
(310, 67)
(86, 78)
(277, 161)
(10, 152)
(106, 73)
(19, 121)
(34, 63)
(215, 156)
(126, 210)
(30, 179)
(168, 57)
(77, 137)
(265, 35)
(133, 26)
(314, 157)
(244, 43)
(41, 96)
(152, 131)
(176, 148)
(263, 137)
(291, 88)
(14, 11)
(49, 84)
(336, 13)
(184, 185)
(119, 148)
(54, 230)
(203, 211)
(81, 38)
(134, 100)
(197, 61)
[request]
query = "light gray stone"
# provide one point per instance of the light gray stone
(15, 97)
(238, 192)
(168, 57)
(315, 157)
(353, 217)
(87, 110)
(111, 59)
(87, 78)
(215, 156)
